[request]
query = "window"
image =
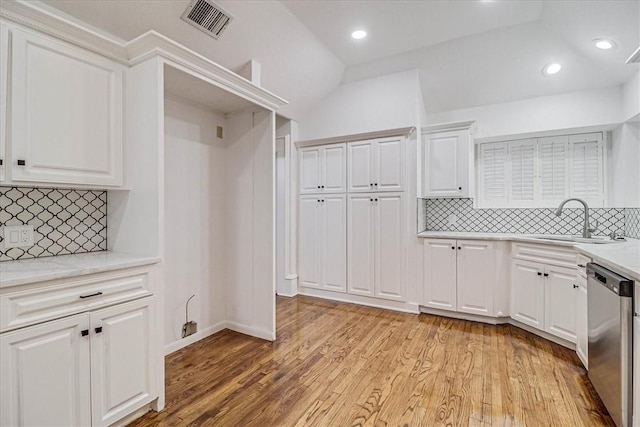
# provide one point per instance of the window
(541, 172)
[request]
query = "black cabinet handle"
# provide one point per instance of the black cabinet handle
(376, 184)
(459, 188)
(84, 332)
(546, 274)
(539, 274)
(90, 295)
(22, 162)
(575, 286)
(98, 329)
(1, 162)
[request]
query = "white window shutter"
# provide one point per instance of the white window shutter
(492, 173)
(522, 157)
(553, 159)
(586, 167)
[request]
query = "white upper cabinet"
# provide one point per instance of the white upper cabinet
(4, 88)
(376, 165)
(323, 169)
(448, 167)
(66, 114)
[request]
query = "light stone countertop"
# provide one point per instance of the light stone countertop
(623, 257)
(21, 272)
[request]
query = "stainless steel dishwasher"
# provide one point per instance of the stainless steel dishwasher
(610, 310)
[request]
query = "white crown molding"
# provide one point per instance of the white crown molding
(148, 45)
(452, 126)
(31, 16)
(406, 132)
(152, 44)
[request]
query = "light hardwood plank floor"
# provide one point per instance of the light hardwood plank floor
(336, 364)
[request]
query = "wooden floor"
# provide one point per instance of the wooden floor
(337, 364)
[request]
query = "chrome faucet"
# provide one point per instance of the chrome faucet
(586, 229)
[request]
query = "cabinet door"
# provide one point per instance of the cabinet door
(45, 374)
(4, 87)
(360, 244)
(527, 293)
(476, 275)
(389, 245)
(560, 302)
(582, 321)
(334, 242)
(334, 173)
(309, 170)
(122, 362)
(360, 174)
(439, 282)
(447, 164)
(310, 253)
(389, 160)
(66, 113)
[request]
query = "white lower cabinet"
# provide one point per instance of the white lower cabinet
(545, 297)
(322, 242)
(375, 245)
(459, 275)
(45, 374)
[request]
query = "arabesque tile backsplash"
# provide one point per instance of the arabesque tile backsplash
(460, 215)
(64, 221)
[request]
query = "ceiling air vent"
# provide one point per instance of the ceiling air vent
(208, 17)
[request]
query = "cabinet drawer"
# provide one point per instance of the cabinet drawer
(545, 254)
(64, 297)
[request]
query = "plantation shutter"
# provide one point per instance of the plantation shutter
(553, 160)
(493, 171)
(522, 156)
(586, 167)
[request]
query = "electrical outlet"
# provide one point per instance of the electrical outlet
(18, 236)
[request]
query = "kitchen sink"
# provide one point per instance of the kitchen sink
(579, 239)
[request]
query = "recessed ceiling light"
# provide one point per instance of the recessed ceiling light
(359, 34)
(551, 69)
(604, 44)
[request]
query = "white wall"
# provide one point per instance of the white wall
(379, 103)
(631, 97)
(195, 220)
(569, 110)
(624, 166)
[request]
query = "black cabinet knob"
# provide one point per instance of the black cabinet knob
(575, 286)
(546, 274)
(539, 274)
(371, 200)
(1, 162)
(453, 247)
(22, 162)
(98, 329)
(375, 200)
(459, 188)
(376, 184)
(322, 186)
(318, 186)
(459, 248)
(84, 332)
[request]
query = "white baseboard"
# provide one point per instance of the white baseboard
(282, 294)
(465, 316)
(543, 334)
(254, 332)
(177, 345)
(404, 307)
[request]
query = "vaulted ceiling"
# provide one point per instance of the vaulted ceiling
(468, 52)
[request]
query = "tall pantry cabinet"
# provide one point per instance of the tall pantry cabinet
(352, 218)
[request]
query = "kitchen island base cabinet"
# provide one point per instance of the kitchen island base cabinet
(89, 369)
